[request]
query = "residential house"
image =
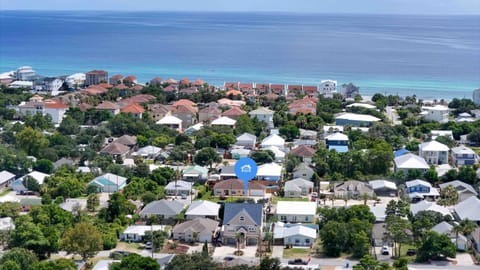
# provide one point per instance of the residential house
(203, 209)
(209, 114)
(294, 234)
(230, 103)
(444, 133)
(279, 155)
(74, 205)
(337, 141)
(17, 185)
(195, 173)
(328, 88)
(352, 189)
(294, 90)
(148, 152)
(135, 109)
(463, 189)
(108, 106)
(229, 187)
(362, 105)
(437, 113)
(269, 172)
(196, 230)
(419, 189)
(116, 79)
(463, 155)
(247, 140)
(239, 152)
(136, 233)
(158, 111)
(187, 113)
(468, 209)
(278, 89)
(171, 122)
(273, 140)
(55, 109)
(245, 219)
(96, 77)
(6, 178)
(445, 228)
(262, 88)
(354, 119)
(304, 106)
(256, 189)
(49, 84)
(127, 140)
(224, 121)
(425, 205)
(263, 114)
(304, 152)
(234, 113)
(310, 90)
(384, 188)
(178, 187)
(108, 183)
(304, 171)
(292, 211)
(297, 188)
(227, 172)
(434, 152)
(400, 152)
(115, 149)
(409, 162)
(247, 88)
(63, 162)
(192, 129)
(163, 209)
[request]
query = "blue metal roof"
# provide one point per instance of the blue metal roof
(253, 209)
(400, 152)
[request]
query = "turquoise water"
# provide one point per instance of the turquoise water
(430, 56)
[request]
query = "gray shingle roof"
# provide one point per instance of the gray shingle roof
(162, 207)
(254, 210)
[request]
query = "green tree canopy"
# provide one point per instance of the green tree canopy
(136, 262)
(83, 239)
(435, 246)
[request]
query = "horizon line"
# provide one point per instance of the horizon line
(238, 11)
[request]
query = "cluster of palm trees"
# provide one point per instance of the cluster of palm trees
(465, 227)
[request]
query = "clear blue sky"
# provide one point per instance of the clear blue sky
(315, 6)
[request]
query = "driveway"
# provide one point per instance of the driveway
(277, 251)
(464, 259)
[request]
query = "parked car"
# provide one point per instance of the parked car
(385, 250)
(148, 245)
(297, 261)
(411, 252)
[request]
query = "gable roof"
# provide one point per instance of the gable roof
(200, 225)
(269, 169)
(300, 230)
(234, 111)
(261, 111)
(411, 161)
(254, 210)
(337, 136)
(149, 150)
(459, 186)
(273, 139)
(39, 176)
(163, 207)
(107, 105)
(442, 228)
(127, 140)
(169, 119)
(6, 176)
(179, 184)
(302, 166)
(203, 208)
(358, 117)
(428, 206)
(247, 137)
(133, 108)
(303, 151)
(232, 183)
(109, 179)
(377, 184)
(462, 149)
(210, 110)
(223, 121)
(417, 182)
(469, 208)
(433, 146)
(184, 109)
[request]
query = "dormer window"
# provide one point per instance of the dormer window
(242, 218)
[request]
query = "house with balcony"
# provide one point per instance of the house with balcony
(263, 114)
(434, 152)
(437, 113)
(337, 141)
(419, 190)
(296, 212)
(245, 219)
(463, 189)
(463, 155)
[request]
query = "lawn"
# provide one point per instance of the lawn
(5, 192)
(291, 253)
(276, 199)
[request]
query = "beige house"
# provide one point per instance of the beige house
(242, 221)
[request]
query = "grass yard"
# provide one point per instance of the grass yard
(292, 253)
(277, 199)
(5, 192)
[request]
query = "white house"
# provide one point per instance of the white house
(136, 233)
(444, 133)
(269, 171)
(291, 211)
(172, 122)
(148, 152)
(279, 154)
(409, 162)
(328, 88)
(429, 206)
(224, 121)
(263, 114)
(438, 113)
(178, 187)
(247, 140)
(273, 140)
(468, 209)
(446, 228)
(203, 209)
(297, 188)
(18, 186)
(56, 110)
(463, 155)
(294, 234)
(6, 178)
(464, 190)
(434, 152)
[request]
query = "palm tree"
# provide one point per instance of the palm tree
(239, 237)
(457, 229)
(195, 236)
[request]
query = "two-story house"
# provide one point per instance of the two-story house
(337, 141)
(434, 152)
(291, 211)
(263, 114)
(438, 113)
(464, 190)
(245, 220)
(463, 155)
(419, 190)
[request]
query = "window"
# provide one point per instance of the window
(283, 218)
(307, 241)
(252, 229)
(242, 218)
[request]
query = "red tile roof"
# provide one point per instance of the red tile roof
(210, 110)
(97, 72)
(294, 87)
(121, 86)
(184, 102)
(234, 111)
(84, 107)
(310, 88)
(172, 81)
(170, 88)
(105, 85)
(184, 81)
(199, 82)
(107, 105)
(117, 77)
(230, 85)
(233, 92)
(95, 90)
(136, 88)
(156, 80)
(244, 86)
(142, 98)
(133, 108)
(271, 96)
(262, 86)
(277, 87)
(130, 78)
(184, 109)
(55, 105)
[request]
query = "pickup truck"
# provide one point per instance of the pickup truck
(298, 262)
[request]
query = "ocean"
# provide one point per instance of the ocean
(432, 57)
